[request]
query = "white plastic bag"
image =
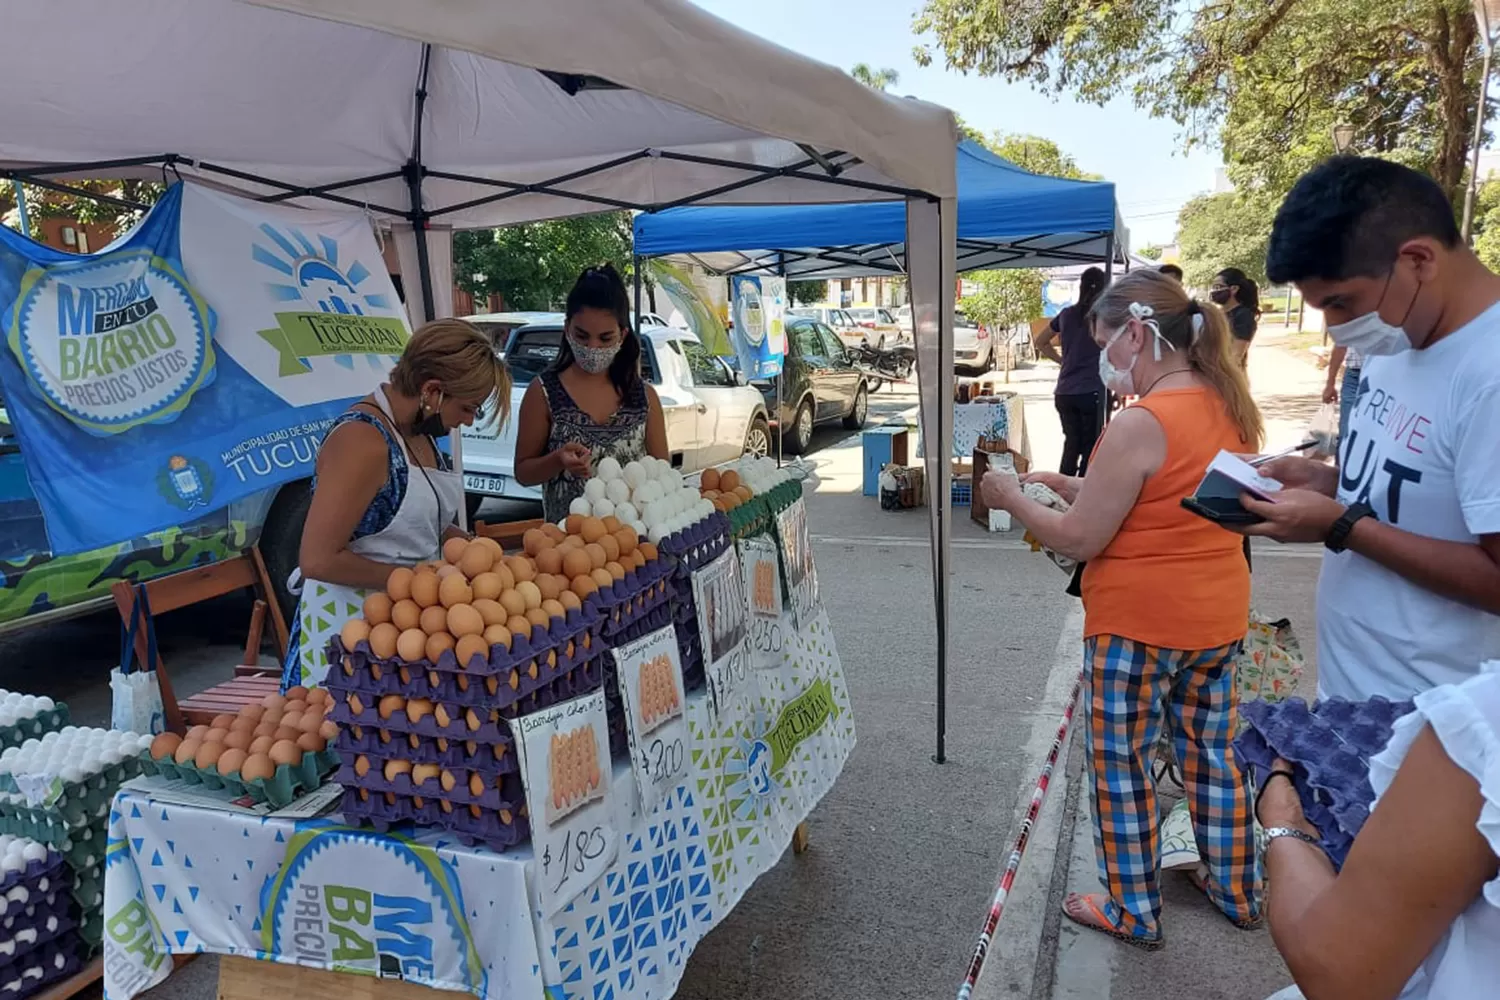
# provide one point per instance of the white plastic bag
(136, 704)
(1324, 428)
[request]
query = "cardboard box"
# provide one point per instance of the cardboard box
(1001, 457)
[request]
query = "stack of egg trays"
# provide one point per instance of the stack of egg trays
(81, 802)
(38, 725)
(626, 603)
(1329, 747)
(53, 961)
(386, 812)
(36, 921)
(280, 790)
(82, 846)
(31, 926)
(693, 548)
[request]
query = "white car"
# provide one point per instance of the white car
(838, 320)
(973, 346)
(712, 416)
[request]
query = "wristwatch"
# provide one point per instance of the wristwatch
(1275, 832)
(1338, 535)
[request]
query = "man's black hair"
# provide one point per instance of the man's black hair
(1171, 271)
(1348, 216)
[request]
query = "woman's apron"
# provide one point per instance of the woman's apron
(429, 506)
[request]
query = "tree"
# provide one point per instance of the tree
(1487, 224)
(1265, 79)
(533, 266)
(1004, 298)
(1150, 251)
(1037, 154)
(879, 79)
(806, 293)
(1231, 229)
(42, 203)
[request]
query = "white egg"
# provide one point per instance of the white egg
(618, 490)
(31, 744)
(625, 512)
(34, 852)
(705, 508)
(13, 863)
(649, 492)
(604, 506)
(580, 506)
(7, 717)
(639, 527)
(635, 474)
(28, 702)
(609, 468)
(595, 489)
(143, 743)
(70, 774)
(654, 511)
(12, 697)
(653, 535)
(45, 704)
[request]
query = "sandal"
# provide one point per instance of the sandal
(1199, 879)
(1085, 910)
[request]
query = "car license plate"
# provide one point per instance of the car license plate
(479, 483)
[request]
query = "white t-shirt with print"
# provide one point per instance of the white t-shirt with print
(1423, 450)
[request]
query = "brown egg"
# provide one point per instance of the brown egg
(611, 546)
(257, 767)
(518, 625)
(285, 732)
(411, 645)
(186, 751)
(584, 585)
(377, 608)
(569, 600)
(477, 559)
(534, 541)
(497, 635)
(491, 612)
(512, 602)
(385, 640)
(476, 784)
(165, 746)
(297, 693)
(554, 609)
(469, 647)
(728, 480)
(261, 744)
(455, 590)
(239, 739)
(449, 780)
(487, 586)
(297, 705)
(398, 584)
(311, 742)
(291, 720)
(286, 752)
(312, 722)
(494, 545)
(553, 532)
(521, 568)
(592, 529)
(550, 586)
(433, 619)
(507, 578)
(602, 578)
(530, 593)
(328, 729)
(597, 555)
(406, 614)
(396, 767)
(571, 542)
(207, 755)
(709, 480)
(538, 617)
(576, 562)
(611, 525)
(196, 733)
(231, 760)
(244, 723)
(453, 549)
(423, 773)
(266, 728)
(222, 722)
(253, 711)
(464, 620)
(615, 570)
(424, 589)
(437, 644)
(549, 561)
(648, 550)
(390, 704)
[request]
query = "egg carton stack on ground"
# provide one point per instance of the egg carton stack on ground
(24, 716)
(273, 751)
(1329, 747)
(39, 941)
(57, 791)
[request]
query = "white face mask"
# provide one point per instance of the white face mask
(1370, 336)
(1120, 380)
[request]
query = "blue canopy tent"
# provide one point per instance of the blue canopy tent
(1007, 217)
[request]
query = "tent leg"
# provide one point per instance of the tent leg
(636, 268)
(413, 172)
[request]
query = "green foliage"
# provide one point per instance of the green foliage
(1037, 154)
(533, 266)
(44, 204)
(1002, 299)
(1264, 79)
(1216, 231)
(1151, 252)
(879, 79)
(806, 293)
(1487, 224)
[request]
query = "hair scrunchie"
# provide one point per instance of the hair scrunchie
(1196, 312)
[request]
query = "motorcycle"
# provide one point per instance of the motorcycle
(893, 364)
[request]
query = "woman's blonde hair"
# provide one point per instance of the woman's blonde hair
(456, 354)
(1207, 346)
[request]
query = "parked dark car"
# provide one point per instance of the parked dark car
(819, 384)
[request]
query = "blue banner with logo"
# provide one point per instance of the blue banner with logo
(194, 362)
(758, 334)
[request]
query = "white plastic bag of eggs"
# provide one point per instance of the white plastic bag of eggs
(73, 754)
(647, 495)
(18, 852)
(14, 707)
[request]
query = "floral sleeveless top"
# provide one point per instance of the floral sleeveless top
(622, 436)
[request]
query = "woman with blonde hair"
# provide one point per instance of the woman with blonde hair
(1166, 596)
(384, 495)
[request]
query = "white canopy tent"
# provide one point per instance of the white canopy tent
(471, 113)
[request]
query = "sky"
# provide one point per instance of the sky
(1143, 156)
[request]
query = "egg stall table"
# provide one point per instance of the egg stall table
(629, 859)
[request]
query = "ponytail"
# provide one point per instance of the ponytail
(1209, 354)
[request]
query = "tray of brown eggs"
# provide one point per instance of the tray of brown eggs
(471, 755)
(401, 777)
(496, 829)
(271, 751)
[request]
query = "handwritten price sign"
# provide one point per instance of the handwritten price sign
(649, 673)
(797, 560)
(768, 641)
(724, 626)
(564, 757)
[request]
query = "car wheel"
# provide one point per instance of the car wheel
(472, 503)
(281, 540)
(758, 438)
(856, 418)
(798, 438)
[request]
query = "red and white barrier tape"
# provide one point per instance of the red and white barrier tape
(1008, 878)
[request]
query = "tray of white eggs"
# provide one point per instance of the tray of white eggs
(74, 770)
(648, 495)
(23, 716)
(81, 846)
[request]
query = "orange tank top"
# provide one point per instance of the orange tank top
(1170, 578)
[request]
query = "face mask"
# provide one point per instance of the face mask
(595, 359)
(1370, 335)
(1117, 380)
(431, 423)
(1219, 295)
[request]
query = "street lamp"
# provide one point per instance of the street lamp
(1487, 14)
(1343, 136)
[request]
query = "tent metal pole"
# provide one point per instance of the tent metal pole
(781, 271)
(25, 220)
(413, 172)
(1109, 277)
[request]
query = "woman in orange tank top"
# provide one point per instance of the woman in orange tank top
(1166, 596)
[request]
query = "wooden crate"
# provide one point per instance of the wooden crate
(227, 698)
(249, 979)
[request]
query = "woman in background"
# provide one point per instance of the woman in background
(1166, 596)
(1239, 297)
(1079, 393)
(1346, 392)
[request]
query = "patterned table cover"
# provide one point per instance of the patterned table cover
(183, 880)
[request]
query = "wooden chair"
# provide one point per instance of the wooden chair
(251, 681)
(508, 534)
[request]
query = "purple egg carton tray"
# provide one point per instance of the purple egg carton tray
(471, 755)
(490, 829)
(498, 791)
(545, 649)
(690, 651)
(622, 606)
(1329, 746)
(56, 960)
(33, 873)
(699, 544)
(23, 934)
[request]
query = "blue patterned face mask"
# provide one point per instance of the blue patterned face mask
(595, 359)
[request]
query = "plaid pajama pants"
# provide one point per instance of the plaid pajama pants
(1131, 687)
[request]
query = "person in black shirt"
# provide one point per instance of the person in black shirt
(1079, 393)
(1234, 292)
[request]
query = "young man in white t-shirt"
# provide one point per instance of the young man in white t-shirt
(1410, 590)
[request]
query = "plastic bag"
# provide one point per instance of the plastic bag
(1324, 426)
(136, 704)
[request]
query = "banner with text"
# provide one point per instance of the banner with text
(195, 361)
(758, 334)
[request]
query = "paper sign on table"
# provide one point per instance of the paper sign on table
(723, 626)
(564, 756)
(797, 560)
(649, 672)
